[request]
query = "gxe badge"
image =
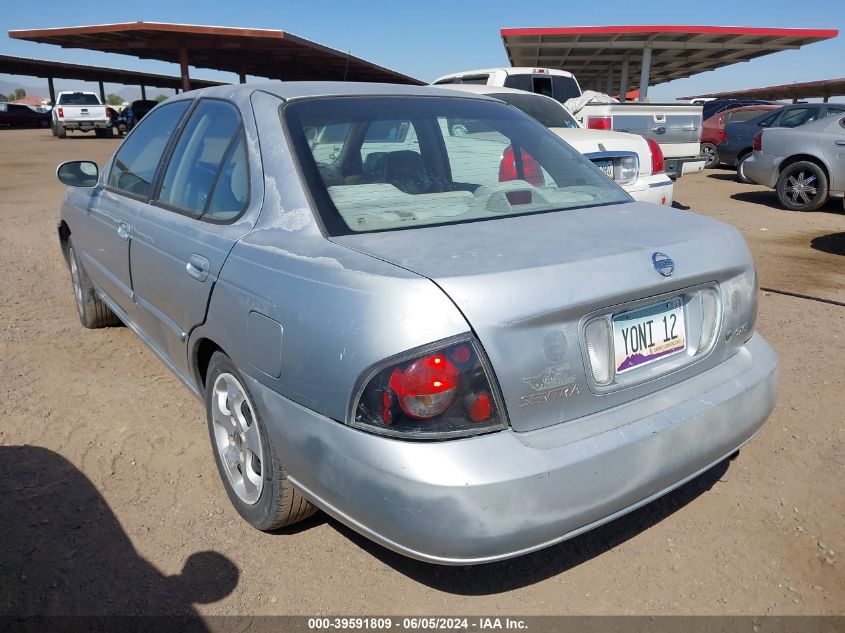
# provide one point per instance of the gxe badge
(663, 264)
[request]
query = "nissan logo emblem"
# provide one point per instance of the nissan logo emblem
(663, 264)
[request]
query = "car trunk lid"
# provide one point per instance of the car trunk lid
(526, 284)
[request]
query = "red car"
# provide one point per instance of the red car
(713, 129)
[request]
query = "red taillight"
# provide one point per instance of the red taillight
(599, 123)
(724, 136)
(658, 165)
(61, 113)
(510, 170)
(427, 387)
(757, 143)
(442, 393)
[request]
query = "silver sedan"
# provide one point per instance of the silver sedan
(804, 165)
(462, 359)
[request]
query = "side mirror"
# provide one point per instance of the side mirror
(79, 173)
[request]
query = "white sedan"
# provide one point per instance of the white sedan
(634, 162)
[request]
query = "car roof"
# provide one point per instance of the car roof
(510, 70)
(290, 90)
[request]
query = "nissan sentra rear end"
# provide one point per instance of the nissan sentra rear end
(609, 353)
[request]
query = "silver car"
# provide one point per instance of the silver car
(463, 360)
(804, 165)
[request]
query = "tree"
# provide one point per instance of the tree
(113, 99)
(160, 98)
(20, 93)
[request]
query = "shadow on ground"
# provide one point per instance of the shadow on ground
(769, 199)
(833, 243)
(725, 175)
(532, 568)
(63, 551)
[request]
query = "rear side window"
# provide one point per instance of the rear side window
(798, 116)
(565, 88)
(231, 193)
(204, 144)
(138, 158)
(519, 82)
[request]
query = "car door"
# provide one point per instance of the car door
(833, 147)
(183, 236)
(102, 240)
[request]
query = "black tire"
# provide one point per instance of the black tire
(740, 175)
(711, 155)
(53, 128)
(93, 313)
(61, 132)
(278, 504)
(802, 186)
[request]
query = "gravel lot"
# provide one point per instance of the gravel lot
(107, 484)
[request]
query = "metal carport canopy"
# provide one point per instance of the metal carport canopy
(824, 88)
(259, 52)
(62, 70)
(617, 59)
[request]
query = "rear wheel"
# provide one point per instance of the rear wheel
(740, 169)
(254, 478)
(802, 186)
(711, 156)
(60, 131)
(93, 313)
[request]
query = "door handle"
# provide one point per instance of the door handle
(197, 267)
(839, 142)
(123, 230)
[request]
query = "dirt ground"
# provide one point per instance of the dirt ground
(110, 501)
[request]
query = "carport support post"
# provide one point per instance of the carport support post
(102, 93)
(143, 92)
(52, 90)
(183, 67)
(623, 81)
(826, 97)
(609, 81)
(644, 73)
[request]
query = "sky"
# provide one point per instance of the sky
(429, 38)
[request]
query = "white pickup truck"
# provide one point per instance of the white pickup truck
(635, 163)
(676, 127)
(80, 111)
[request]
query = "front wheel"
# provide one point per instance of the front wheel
(802, 186)
(711, 156)
(254, 478)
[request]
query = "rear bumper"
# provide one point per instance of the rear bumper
(658, 189)
(762, 169)
(501, 495)
(86, 125)
(677, 167)
(727, 154)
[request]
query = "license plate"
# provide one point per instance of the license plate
(646, 335)
(606, 166)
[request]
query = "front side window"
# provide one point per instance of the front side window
(769, 120)
(502, 163)
(137, 160)
(206, 140)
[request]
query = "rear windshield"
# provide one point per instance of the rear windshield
(435, 160)
(79, 99)
(549, 113)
